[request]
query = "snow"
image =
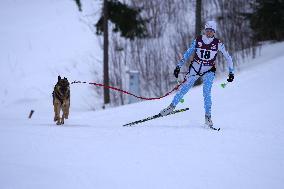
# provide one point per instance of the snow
(93, 150)
(37, 44)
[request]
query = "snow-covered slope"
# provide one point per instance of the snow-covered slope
(40, 40)
(93, 150)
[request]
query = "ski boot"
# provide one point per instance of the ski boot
(208, 121)
(167, 110)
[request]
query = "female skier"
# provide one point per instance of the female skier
(205, 48)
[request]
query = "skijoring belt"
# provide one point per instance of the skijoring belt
(213, 69)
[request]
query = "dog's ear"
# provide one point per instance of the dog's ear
(59, 78)
(66, 79)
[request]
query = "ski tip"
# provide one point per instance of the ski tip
(214, 128)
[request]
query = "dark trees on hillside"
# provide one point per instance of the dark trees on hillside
(267, 20)
(126, 20)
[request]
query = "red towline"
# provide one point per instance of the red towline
(126, 92)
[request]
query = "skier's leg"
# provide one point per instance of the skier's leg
(207, 85)
(182, 91)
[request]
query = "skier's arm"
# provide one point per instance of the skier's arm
(227, 56)
(187, 54)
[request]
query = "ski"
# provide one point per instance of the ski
(213, 128)
(154, 117)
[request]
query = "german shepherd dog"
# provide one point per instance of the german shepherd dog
(61, 100)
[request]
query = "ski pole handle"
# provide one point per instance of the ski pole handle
(223, 85)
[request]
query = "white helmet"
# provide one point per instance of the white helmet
(212, 25)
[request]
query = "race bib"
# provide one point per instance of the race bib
(205, 54)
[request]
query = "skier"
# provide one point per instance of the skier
(205, 48)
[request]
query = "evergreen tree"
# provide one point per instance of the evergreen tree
(126, 20)
(267, 20)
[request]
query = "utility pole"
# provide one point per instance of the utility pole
(198, 17)
(106, 71)
(198, 27)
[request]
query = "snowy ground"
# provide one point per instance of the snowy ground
(93, 150)
(40, 40)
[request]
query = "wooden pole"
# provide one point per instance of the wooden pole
(106, 67)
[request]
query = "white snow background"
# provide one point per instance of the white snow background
(93, 150)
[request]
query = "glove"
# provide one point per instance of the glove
(230, 77)
(176, 72)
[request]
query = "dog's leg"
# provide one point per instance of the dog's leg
(56, 111)
(62, 120)
(62, 117)
(66, 107)
(59, 122)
